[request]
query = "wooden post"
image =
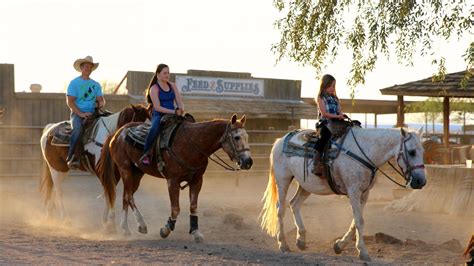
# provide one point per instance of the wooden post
(446, 122)
(120, 83)
(446, 127)
(375, 120)
(400, 111)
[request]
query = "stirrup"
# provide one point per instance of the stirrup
(73, 163)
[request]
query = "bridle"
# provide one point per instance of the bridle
(227, 138)
(402, 154)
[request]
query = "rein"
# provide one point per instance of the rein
(406, 175)
(221, 162)
(224, 138)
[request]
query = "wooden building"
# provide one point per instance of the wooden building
(272, 106)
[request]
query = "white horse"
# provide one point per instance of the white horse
(55, 169)
(373, 147)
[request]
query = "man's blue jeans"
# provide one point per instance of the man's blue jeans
(76, 123)
(154, 131)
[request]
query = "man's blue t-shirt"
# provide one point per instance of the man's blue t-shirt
(85, 92)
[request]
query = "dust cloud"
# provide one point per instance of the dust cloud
(228, 210)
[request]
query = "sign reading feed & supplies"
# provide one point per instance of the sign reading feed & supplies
(219, 86)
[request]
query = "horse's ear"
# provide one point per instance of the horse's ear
(420, 131)
(404, 132)
(233, 119)
(242, 120)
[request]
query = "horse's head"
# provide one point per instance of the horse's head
(132, 113)
(410, 159)
(235, 143)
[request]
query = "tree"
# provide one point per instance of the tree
(312, 32)
(432, 109)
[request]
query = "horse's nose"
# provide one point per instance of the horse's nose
(246, 163)
(418, 183)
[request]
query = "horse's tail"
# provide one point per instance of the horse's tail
(46, 183)
(106, 173)
(268, 215)
(46, 180)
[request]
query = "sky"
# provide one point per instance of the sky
(43, 39)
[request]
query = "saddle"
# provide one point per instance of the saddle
(61, 133)
(338, 127)
(136, 136)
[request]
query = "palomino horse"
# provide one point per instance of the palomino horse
(186, 161)
(56, 169)
(373, 147)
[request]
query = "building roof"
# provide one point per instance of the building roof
(450, 87)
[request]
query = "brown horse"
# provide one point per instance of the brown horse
(185, 162)
(55, 169)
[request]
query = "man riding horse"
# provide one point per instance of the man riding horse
(82, 95)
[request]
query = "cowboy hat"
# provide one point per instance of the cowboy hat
(87, 59)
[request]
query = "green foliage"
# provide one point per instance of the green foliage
(108, 87)
(313, 32)
(433, 108)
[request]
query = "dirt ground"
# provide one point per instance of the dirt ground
(228, 213)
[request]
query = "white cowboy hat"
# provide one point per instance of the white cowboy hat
(87, 59)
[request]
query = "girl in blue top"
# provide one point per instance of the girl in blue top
(329, 108)
(162, 96)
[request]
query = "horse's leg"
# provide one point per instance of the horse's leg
(357, 203)
(282, 191)
(108, 219)
(58, 178)
(141, 225)
(342, 242)
(194, 190)
(295, 203)
(130, 186)
(126, 180)
(173, 191)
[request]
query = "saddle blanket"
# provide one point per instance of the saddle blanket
(292, 149)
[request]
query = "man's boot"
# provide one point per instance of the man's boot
(74, 162)
(318, 166)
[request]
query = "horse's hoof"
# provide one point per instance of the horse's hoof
(364, 257)
(284, 248)
(198, 237)
(301, 245)
(165, 232)
(337, 249)
(142, 229)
